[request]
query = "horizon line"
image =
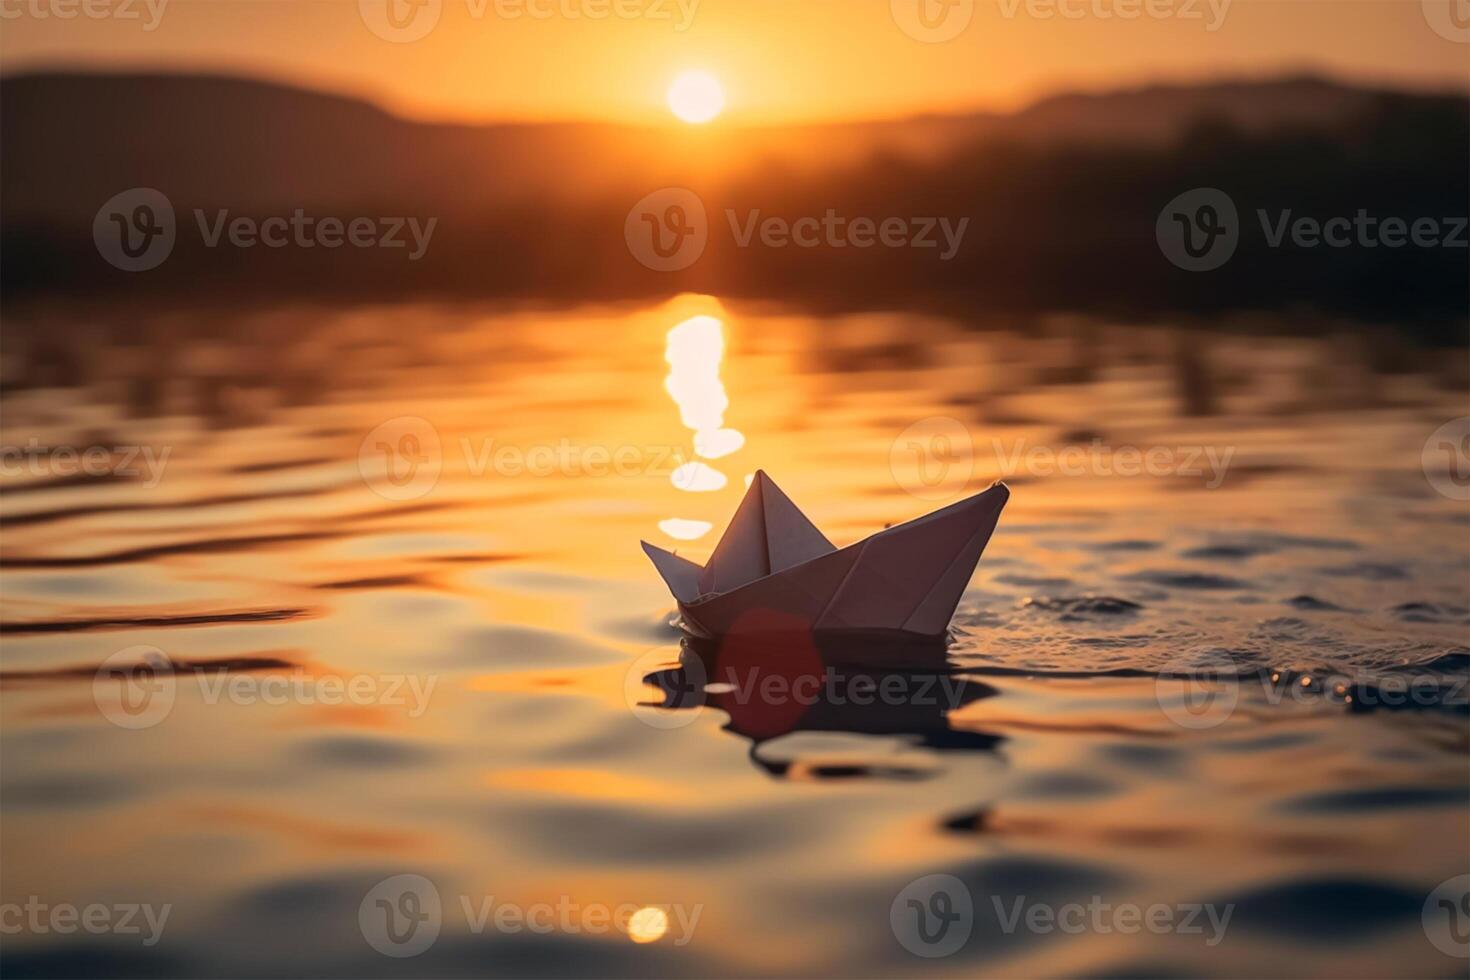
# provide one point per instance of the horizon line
(385, 105)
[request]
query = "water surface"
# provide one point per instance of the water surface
(524, 725)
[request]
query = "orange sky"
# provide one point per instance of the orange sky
(779, 60)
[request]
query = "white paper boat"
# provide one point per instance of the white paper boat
(774, 570)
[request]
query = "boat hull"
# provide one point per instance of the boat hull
(905, 581)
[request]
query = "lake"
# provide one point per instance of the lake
(300, 601)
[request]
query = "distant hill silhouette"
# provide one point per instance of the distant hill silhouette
(70, 141)
(1062, 196)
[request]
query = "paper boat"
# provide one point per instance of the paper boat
(774, 569)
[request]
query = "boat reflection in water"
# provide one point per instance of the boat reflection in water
(781, 683)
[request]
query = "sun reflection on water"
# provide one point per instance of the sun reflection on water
(648, 924)
(695, 349)
(684, 529)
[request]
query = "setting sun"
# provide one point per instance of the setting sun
(696, 97)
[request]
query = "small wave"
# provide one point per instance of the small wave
(1378, 799)
(1311, 603)
(1372, 571)
(373, 582)
(215, 665)
(1075, 608)
(1327, 910)
(103, 623)
(1185, 580)
(1430, 612)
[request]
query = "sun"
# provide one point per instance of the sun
(696, 97)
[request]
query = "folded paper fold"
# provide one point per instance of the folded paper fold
(906, 579)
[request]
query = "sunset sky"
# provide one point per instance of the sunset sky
(778, 60)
